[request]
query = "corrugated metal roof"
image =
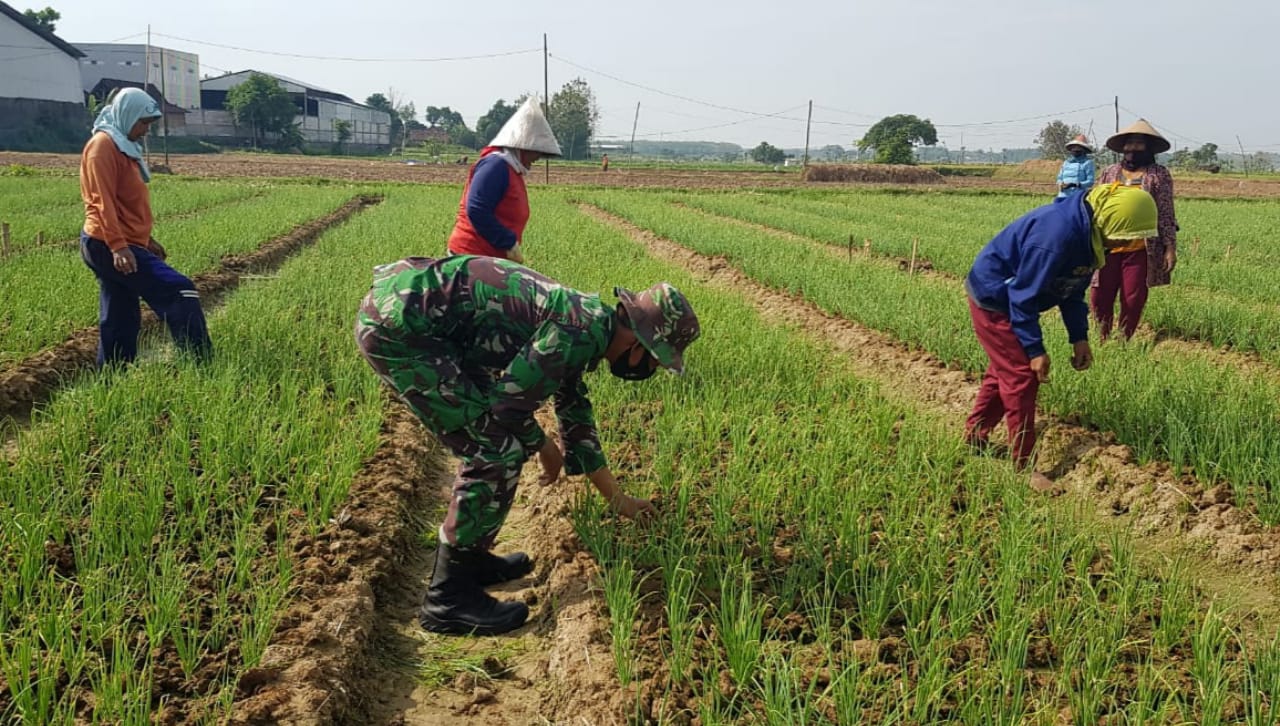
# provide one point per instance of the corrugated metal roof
(277, 76)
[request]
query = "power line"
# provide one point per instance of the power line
(1027, 118)
(723, 125)
(847, 113)
(444, 59)
(658, 91)
(57, 51)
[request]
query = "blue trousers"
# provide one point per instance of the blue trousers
(169, 293)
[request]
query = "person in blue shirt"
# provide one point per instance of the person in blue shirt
(1044, 259)
(1077, 172)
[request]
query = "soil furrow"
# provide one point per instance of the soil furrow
(1163, 507)
(307, 672)
(557, 668)
(31, 381)
(1249, 361)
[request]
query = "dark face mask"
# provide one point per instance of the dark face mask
(622, 368)
(1078, 153)
(1134, 160)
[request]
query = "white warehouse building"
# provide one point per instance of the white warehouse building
(41, 103)
(174, 73)
(318, 111)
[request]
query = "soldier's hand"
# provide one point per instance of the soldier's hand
(632, 507)
(552, 462)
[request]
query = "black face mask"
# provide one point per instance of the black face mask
(622, 368)
(1078, 153)
(1134, 160)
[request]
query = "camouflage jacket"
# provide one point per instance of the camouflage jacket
(519, 336)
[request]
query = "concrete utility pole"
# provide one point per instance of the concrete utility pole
(807, 125)
(634, 123)
(164, 98)
(546, 101)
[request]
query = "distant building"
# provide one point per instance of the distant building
(176, 74)
(431, 133)
(41, 103)
(318, 110)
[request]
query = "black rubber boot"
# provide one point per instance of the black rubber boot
(497, 569)
(456, 603)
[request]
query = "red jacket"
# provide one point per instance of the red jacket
(494, 208)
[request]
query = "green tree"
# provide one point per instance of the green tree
(460, 135)
(262, 104)
(893, 138)
(1205, 156)
(488, 125)
(1052, 139)
(380, 102)
(46, 18)
(442, 117)
(343, 128)
(832, 152)
(767, 153)
(291, 138)
(573, 115)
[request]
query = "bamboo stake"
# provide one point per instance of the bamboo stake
(915, 246)
(4, 239)
(866, 245)
(1195, 247)
(40, 239)
(1228, 255)
(851, 248)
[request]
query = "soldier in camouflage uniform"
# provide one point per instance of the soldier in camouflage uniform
(474, 345)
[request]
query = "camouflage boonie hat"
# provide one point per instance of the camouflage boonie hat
(663, 320)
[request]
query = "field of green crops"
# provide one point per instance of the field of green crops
(824, 553)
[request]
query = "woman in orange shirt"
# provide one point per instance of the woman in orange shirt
(116, 242)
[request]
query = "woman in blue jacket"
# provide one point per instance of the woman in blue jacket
(1077, 172)
(1044, 259)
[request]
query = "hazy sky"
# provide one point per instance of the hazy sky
(1199, 71)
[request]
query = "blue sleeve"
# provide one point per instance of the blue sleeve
(1087, 182)
(1075, 315)
(488, 187)
(1035, 271)
(1062, 171)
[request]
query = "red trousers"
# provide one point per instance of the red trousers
(1124, 273)
(1008, 389)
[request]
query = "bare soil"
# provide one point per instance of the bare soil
(31, 381)
(558, 668)
(1244, 360)
(349, 649)
(234, 164)
(1164, 507)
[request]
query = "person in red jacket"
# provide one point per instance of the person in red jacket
(495, 203)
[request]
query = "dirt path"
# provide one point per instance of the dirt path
(349, 650)
(1167, 511)
(557, 668)
(31, 381)
(1246, 361)
(234, 164)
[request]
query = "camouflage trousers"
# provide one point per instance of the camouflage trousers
(453, 406)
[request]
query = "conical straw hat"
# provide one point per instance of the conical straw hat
(1080, 141)
(528, 129)
(1140, 127)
